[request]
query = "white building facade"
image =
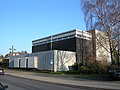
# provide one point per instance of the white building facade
(54, 60)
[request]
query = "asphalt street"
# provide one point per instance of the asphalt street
(16, 83)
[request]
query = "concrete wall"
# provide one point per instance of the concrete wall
(63, 59)
(20, 61)
(100, 46)
(54, 60)
(43, 59)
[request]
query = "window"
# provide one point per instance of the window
(19, 61)
(26, 62)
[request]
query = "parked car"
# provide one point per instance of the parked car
(3, 87)
(2, 71)
(114, 73)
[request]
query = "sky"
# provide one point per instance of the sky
(22, 21)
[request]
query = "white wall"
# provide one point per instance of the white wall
(102, 47)
(22, 62)
(61, 60)
(16, 62)
(44, 60)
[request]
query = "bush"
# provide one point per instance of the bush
(114, 72)
(74, 67)
(5, 63)
(85, 69)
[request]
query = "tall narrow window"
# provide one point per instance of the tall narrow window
(19, 61)
(26, 62)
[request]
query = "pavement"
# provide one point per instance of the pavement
(68, 80)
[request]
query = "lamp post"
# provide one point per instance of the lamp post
(82, 49)
(51, 59)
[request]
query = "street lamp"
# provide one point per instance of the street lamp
(51, 59)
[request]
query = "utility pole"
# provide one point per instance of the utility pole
(50, 42)
(82, 49)
(12, 49)
(51, 59)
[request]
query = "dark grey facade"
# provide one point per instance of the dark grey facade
(66, 45)
(74, 41)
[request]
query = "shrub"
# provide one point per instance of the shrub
(74, 66)
(5, 63)
(85, 69)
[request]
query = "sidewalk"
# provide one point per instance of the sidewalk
(67, 80)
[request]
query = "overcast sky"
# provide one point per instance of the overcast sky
(22, 21)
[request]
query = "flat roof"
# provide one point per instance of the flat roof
(67, 34)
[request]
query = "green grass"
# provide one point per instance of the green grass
(66, 72)
(47, 71)
(59, 72)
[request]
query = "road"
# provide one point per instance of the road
(16, 83)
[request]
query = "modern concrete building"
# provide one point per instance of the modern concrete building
(74, 40)
(58, 52)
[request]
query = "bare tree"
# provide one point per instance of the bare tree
(104, 15)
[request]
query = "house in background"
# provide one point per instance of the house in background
(16, 53)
